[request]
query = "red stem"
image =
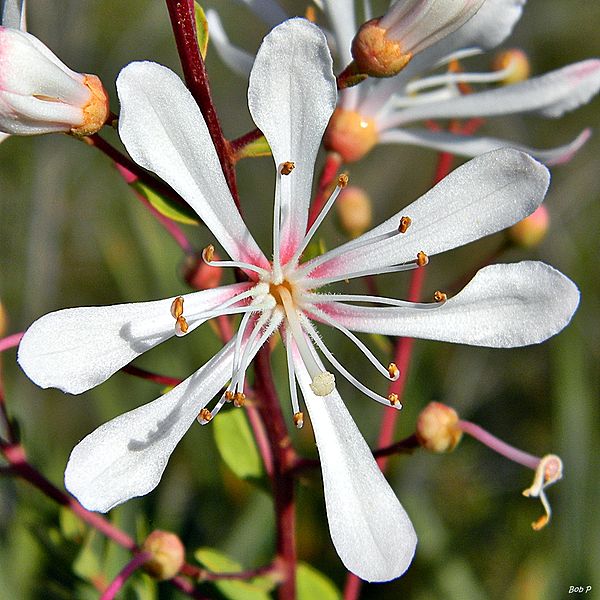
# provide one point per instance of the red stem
(282, 478)
(243, 141)
(129, 569)
(143, 374)
(183, 21)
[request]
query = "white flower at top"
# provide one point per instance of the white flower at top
(385, 111)
(39, 93)
(292, 93)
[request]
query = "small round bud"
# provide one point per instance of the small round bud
(199, 275)
(376, 54)
(168, 554)
(350, 134)
(96, 111)
(354, 211)
(437, 428)
(529, 232)
(515, 62)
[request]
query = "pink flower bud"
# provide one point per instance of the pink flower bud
(354, 210)
(437, 428)
(199, 275)
(168, 554)
(529, 232)
(39, 94)
(350, 134)
(384, 46)
(515, 63)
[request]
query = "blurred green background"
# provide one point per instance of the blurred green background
(72, 234)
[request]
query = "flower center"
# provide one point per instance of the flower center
(285, 287)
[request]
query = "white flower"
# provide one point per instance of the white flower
(292, 94)
(382, 111)
(38, 93)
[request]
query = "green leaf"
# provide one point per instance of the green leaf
(382, 342)
(166, 206)
(236, 444)
(257, 588)
(71, 526)
(315, 248)
(201, 29)
(259, 147)
(311, 584)
(88, 562)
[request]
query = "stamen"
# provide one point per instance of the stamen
(291, 373)
(239, 399)
(394, 371)
(404, 224)
(177, 307)
(287, 167)
(440, 296)
(360, 345)
(318, 281)
(321, 383)
(181, 326)
(548, 471)
(394, 401)
(299, 420)
(229, 396)
(357, 384)
(329, 298)
(205, 416)
(207, 257)
(342, 183)
(422, 259)
(310, 14)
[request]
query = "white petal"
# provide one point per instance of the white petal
(503, 306)
(467, 145)
(485, 195)
(291, 97)
(238, 60)
(342, 16)
(164, 131)
(550, 95)
(369, 528)
(13, 14)
(126, 457)
(78, 348)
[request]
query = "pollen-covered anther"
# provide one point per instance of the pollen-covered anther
(404, 224)
(323, 383)
(394, 401)
(205, 416)
(287, 167)
(208, 253)
(299, 420)
(239, 399)
(394, 371)
(181, 326)
(548, 471)
(177, 307)
(229, 396)
(422, 259)
(310, 14)
(343, 180)
(440, 296)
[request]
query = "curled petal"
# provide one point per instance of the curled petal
(467, 145)
(550, 95)
(504, 306)
(291, 97)
(369, 528)
(78, 348)
(485, 195)
(164, 131)
(126, 457)
(238, 60)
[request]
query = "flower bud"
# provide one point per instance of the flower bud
(168, 554)
(350, 134)
(3, 320)
(199, 275)
(437, 428)
(39, 94)
(384, 46)
(516, 64)
(354, 210)
(529, 232)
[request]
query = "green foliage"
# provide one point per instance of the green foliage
(201, 29)
(236, 444)
(165, 206)
(312, 584)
